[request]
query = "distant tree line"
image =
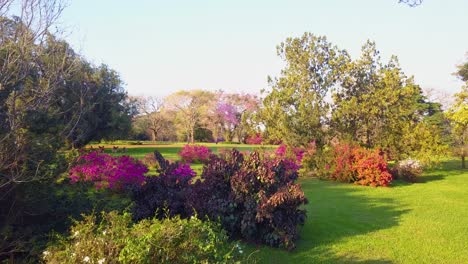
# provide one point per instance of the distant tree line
(196, 115)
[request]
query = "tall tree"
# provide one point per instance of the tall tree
(296, 109)
(378, 106)
(47, 94)
(190, 107)
(153, 116)
(458, 115)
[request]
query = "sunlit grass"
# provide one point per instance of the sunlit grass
(425, 222)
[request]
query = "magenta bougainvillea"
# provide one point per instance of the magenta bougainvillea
(107, 171)
(194, 153)
(184, 170)
(291, 156)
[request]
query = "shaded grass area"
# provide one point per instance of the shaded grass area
(424, 222)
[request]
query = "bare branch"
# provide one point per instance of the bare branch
(411, 3)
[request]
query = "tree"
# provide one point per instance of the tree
(152, 116)
(458, 115)
(295, 109)
(189, 107)
(378, 106)
(48, 95)
(233, 115)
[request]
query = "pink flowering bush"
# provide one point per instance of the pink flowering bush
(195, 153)
(184, 170)
(107, 171)
(291, 156)
(255, 139)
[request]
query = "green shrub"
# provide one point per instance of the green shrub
(113, 238)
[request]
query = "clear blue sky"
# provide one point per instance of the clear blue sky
(161, 46)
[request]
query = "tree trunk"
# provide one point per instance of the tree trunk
(463, 162)
(153, 135)
(192, 132)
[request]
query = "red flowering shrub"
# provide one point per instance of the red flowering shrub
(350, 163)
(371, 168)
(254, 139)
(195, 153)
(107, 171)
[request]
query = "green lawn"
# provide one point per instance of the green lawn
(425, 222)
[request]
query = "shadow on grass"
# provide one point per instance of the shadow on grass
(450, 168)
(430, 178)
(337, 212)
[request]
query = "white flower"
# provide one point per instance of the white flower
(76, 233)
(86, 259)
(104, 232)
(45, 253)
(101, 261)
(73, 254)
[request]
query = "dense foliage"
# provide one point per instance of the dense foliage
(113, 238)
(373, 103)
(194, 153)
(51, 99)
(255, 198)
(458, 116)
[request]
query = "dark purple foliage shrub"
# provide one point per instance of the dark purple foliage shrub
(213, 197)
(163, 195)
(269, 199)
(254, 197)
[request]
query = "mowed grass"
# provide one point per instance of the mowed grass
(424, 222)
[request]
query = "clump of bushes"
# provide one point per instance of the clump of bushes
(107, 171)
(349, 163)
(408, 170)
(254, 139)
(114, 238)
(195, 153)
(255, 197)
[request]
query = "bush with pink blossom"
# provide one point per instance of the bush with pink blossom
(254, 139)
(107, 171)
(195, 153)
